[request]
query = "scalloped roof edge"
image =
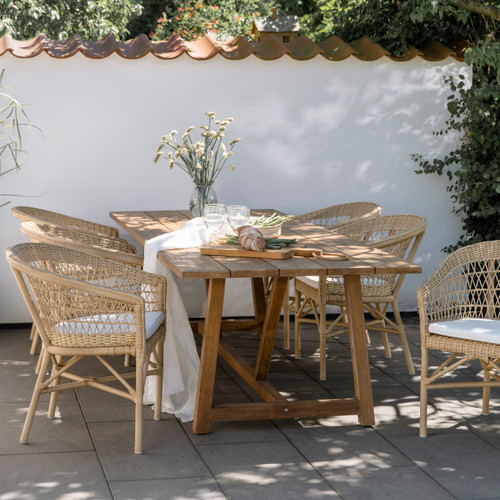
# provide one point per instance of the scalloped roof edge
(269, 48)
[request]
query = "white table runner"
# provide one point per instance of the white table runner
(181, 361)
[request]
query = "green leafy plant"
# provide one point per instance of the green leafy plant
(12, 119)
(59, 19)
(474, 167)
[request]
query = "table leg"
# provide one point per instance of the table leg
(209, 352)
(259, 299)
(271, 321)
(359, 349)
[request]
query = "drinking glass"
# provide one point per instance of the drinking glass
(214, 216)
(237, 215)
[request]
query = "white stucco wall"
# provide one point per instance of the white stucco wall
(315, 133)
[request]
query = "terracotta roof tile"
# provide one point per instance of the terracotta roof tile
(269, 48)
(336, 49)
(435, 51)
(367, 50)
(302, 49)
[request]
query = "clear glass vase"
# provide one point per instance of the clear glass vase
(200, 196)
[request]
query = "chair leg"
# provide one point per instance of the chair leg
(404, 340)
(53, 395)
(486, 390)
(385, 337)
(126, 360)
(39, 362)
(139, 384)
(286, 319)
(322, 341)
(424, 392)
(159, 380)
(298, 338)
(35, 398)
(34, 339)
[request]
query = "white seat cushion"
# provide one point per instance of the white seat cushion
(481, 330)
(112, 323)
(313, 281)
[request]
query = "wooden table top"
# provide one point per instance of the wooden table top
(189, 263)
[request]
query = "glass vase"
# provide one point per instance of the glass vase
(200, 196)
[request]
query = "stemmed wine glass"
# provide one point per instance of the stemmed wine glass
(214, 216)
(237, 215)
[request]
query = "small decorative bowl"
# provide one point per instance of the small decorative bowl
(270, 231)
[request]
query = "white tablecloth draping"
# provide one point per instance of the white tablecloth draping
(181, 360)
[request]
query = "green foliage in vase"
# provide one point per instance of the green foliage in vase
(202, 160)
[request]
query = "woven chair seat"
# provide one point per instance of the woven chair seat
(106, 329)
(471, 348)
(371, 288)
(476, 329)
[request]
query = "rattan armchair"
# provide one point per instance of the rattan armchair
(459, 308)
(101, 246)
(399, 235)
(89, 306)
(26, 214)
(331, 218)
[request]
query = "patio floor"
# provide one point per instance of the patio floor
(87, 453)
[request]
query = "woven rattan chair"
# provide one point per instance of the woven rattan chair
(399, 235)
(88, 306)
(26, 214)
(331, 218)
(91, 243)
(459, 307)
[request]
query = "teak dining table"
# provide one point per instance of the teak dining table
(357, 260)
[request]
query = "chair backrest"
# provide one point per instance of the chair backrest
(399, 235)
(339, 215)
(466, 284)
(26, 214)
(74, 292)
(93, 244)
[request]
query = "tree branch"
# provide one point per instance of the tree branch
(478, 8)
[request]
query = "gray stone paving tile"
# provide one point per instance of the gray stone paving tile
(361, 480)
(192, 488)
(344, 446)
(168, 452)
(461, 462)
(257, 470)
(252, 431)
(76, 475)
(100, 406)
(17, 367)
(66, 432)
